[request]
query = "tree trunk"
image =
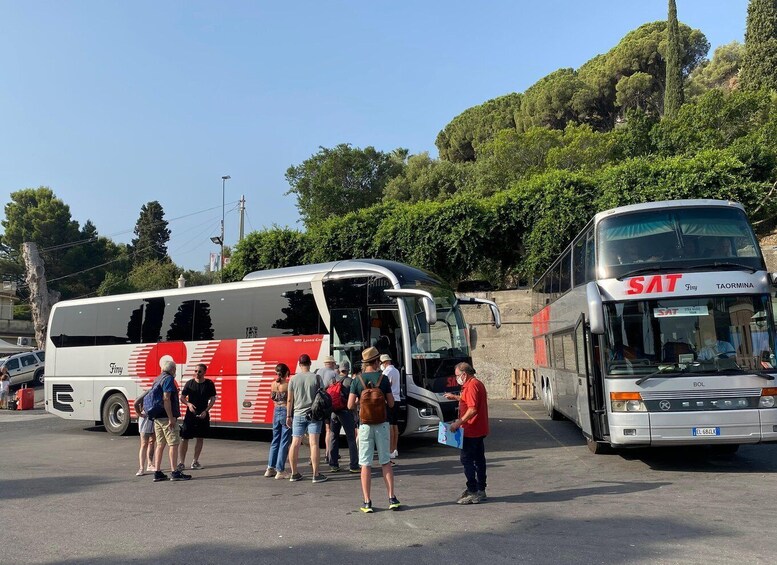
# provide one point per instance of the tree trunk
(41, 299)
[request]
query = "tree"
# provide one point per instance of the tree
(151, 234)
(673, 91)
(37, 215)
(759, 66)
(460, 140)
(425, 178)
(341, 180)
(721, 72)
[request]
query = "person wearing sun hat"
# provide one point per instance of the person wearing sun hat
(373, 435)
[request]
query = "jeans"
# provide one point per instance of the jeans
(281, 440)
(473, 457)
(343, 419)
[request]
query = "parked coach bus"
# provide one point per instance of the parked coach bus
(656, 327)
(103, 352)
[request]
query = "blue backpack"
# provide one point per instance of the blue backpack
(153, 403)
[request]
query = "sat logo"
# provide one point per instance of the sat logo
(654, 284)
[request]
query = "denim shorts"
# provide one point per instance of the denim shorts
(145, 426)
(301, 425)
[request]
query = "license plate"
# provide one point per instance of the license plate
(706, 431)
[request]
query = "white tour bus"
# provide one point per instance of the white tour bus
(656, 327)
(103, 352)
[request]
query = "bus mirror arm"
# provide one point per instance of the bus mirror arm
(595, 308)
(430, 310)
(490, 303)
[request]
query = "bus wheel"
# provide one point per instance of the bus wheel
(596, 447)
(116, 414)
(548, 397)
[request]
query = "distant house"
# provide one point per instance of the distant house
(7, 300)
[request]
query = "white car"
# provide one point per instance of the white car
(25, 367)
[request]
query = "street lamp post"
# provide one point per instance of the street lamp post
(224, 180)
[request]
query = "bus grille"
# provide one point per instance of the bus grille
(712, 393)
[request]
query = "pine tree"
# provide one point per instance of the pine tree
(673, 92)
(759, 66)
(151, 234)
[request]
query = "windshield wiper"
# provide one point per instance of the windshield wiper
(662, 369)
(764, 375)
(736, 266)
(653, 269)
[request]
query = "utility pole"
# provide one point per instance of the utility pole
(242, 215)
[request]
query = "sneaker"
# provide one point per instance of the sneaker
(471, 498)
(179, 476)
(281, 476)
(366, 507)
(354, 470)
(270, 472)
(159, 476)
(334, 469)
(320, 478)
(394, 503)
(150, 468)
(295, 477)
(196, 465)
(394, 454)
(140, 473)
(482, 495)
(180, 467)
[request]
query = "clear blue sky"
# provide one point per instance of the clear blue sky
(113, 104)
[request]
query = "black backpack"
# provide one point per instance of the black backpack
(321, 409)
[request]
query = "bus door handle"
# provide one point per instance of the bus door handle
(580, 381)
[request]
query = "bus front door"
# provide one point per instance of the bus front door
(582, 380)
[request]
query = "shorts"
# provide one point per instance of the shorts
(164, 434)
(393, 414)
(194, 427)
(145, 426)
(371, 437)
(301, 425)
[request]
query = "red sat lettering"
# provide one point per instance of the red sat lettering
(656, 283)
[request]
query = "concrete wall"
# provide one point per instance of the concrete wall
(497, 352)
(11, 329)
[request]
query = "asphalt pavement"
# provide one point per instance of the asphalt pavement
(69, 495)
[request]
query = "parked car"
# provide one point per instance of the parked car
(25, 367)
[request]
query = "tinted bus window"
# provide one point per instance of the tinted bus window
(74, 326)
(119, 322)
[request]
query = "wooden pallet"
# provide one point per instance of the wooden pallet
(522, 384)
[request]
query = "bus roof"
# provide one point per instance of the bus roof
(405, 275)
(398, 273)
(697, 202)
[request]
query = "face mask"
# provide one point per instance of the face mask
(460, 380)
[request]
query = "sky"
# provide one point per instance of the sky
(113, 104)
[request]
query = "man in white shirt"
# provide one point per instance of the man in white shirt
(392, 373)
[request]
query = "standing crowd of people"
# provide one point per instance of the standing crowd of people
(365, 406)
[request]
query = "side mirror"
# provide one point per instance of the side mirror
(773, 278)
(473, 336)
(595, 308)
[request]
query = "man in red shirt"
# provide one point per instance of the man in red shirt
(473, 418)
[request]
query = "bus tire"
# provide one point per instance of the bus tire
(548, 398)
(595, 447)
(37, 380)
(116, 414)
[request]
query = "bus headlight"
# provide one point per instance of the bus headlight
(627, 402)
(767, 399)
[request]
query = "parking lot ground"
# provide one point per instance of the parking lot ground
(68, 495)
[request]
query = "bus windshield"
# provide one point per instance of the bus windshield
(725, 334)
(676, 238)
(445, 339)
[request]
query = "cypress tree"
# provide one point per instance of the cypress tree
(152, 234)
(673, 91)
(759, 66)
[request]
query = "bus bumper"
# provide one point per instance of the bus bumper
(687, 428)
